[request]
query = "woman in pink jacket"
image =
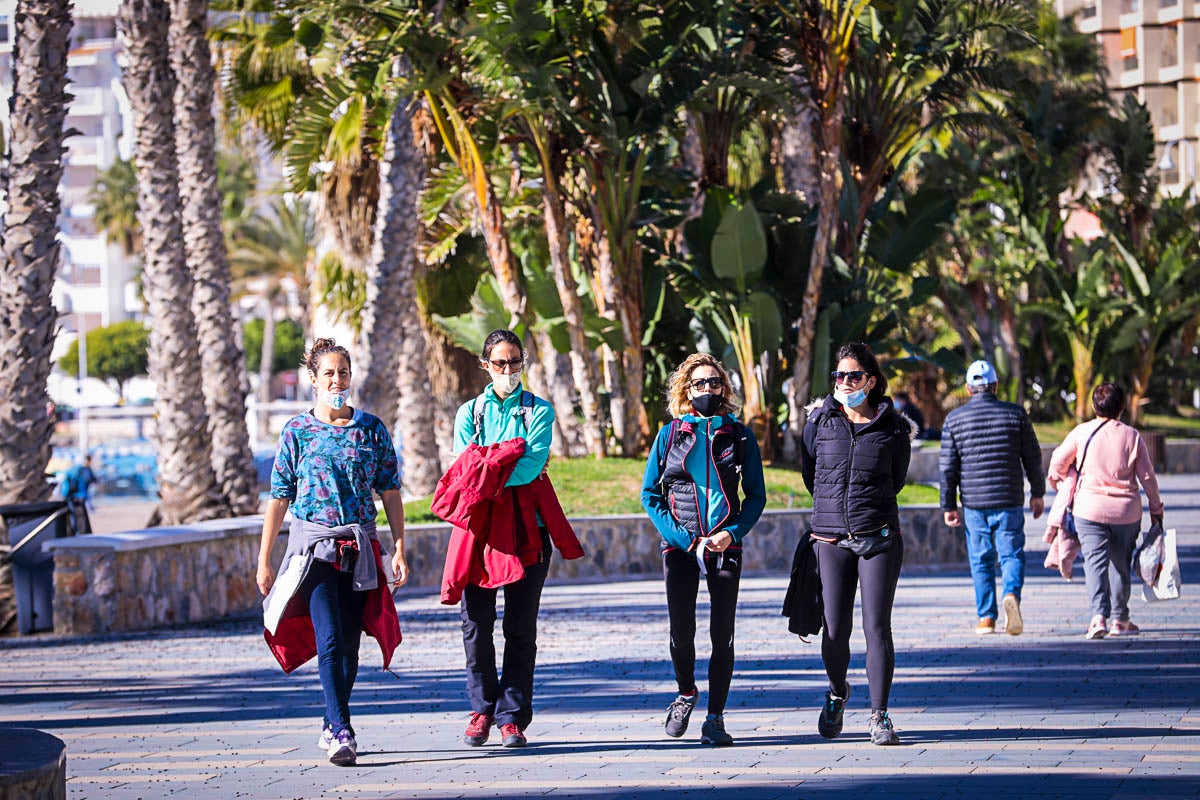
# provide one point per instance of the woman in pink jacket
(1108, 509)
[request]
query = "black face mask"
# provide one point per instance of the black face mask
(706, 405)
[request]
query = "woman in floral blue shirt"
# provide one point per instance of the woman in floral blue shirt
(330, 463)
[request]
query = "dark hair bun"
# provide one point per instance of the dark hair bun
(321, 347)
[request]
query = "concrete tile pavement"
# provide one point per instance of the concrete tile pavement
(206, 713)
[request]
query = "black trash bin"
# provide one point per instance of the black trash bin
(30, 525)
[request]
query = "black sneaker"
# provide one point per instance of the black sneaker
(714, 733)
(829, 724)
(678, 714)
(881, 729)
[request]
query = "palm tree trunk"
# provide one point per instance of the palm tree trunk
(799, 159)
(207, 258)
(1139, 382)
(188, 485)
(455, 378)
(397, 227)
(827, 215)
(31, 251)
(614, 192)
(391, 320)
(1012, 346)
(1083, 373)
(512, 294)
(583, 369)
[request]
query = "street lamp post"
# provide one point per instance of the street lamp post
(1167, 163)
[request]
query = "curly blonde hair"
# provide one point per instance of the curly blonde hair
(678, 402)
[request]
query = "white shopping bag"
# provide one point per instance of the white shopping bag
(1165, 584)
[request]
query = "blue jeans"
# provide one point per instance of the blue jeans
(993, 532)
(337, 617)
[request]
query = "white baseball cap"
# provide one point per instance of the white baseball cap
(981, 373)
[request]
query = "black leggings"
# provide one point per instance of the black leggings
(682, 573)
(841, 573)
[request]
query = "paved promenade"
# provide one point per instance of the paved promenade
(206, 713)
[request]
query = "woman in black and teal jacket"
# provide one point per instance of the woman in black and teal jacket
(690, 491)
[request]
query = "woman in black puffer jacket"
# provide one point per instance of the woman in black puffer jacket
(855, 455)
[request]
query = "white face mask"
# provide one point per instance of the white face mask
(334, 400)
(505, 384)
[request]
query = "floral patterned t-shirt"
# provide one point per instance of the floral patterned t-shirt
(329, 472)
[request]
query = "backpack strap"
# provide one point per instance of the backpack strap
(672, 431)
(525, 411)
(477, 413)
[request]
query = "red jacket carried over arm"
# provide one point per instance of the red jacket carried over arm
(490, 545)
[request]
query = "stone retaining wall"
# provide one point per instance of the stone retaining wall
(178, 575)
(33, 765)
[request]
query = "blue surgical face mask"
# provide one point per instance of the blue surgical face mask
(334, 400)
(852, 400)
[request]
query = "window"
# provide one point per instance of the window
(3, 28)
(1130, 6)
(1129, 48)
(1170, 47)
(86, 275)
(1090, 10)
(1167, 3)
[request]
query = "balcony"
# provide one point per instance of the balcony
(88, 102)
(1166, 10)
(86, 151)
(76, 196)
(1133, 13)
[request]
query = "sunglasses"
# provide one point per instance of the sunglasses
(500, 365)
(853, 376)
(715, 382)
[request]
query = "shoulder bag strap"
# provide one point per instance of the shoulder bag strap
(1083, 458)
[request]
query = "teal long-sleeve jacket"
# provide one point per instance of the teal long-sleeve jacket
(654, 498)
(501, 422)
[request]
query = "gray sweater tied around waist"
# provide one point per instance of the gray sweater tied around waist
(321, 541)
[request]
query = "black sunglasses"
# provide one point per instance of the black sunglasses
(715, 382)
(512, 362)
(853, 376)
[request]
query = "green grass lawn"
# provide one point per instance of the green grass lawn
(587, 487)
(1174, 427)
(1171, 426)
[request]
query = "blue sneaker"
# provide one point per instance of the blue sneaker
(829, 724)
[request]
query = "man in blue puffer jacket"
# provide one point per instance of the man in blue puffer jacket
(690, 491)
(986, 445)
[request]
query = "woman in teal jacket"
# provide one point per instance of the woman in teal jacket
(505, 411)
(690, 491)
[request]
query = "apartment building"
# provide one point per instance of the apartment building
(96, 284)
(1152, 49)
